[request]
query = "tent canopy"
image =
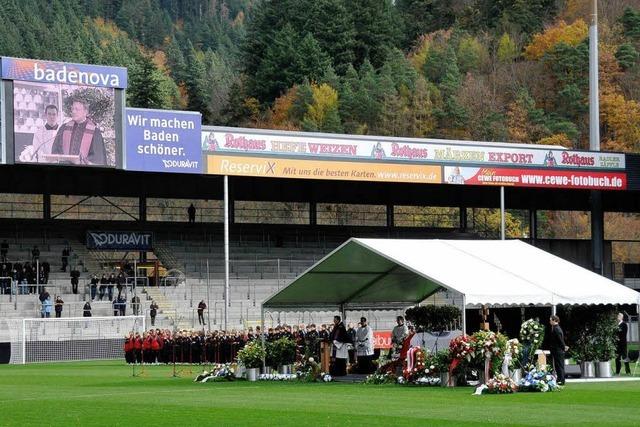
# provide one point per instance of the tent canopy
(394, 273)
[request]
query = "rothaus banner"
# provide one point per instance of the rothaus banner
(243, 152)
(163, 141)
(428, 151)
(50, 72)
(120, 240)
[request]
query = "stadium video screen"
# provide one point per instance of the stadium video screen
(64, 113)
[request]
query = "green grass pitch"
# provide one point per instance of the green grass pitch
(106, 393)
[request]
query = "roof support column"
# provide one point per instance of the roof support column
(464, 315)
(533, 226)
(46, 205)
(262, 333)
(597, 231)
(390, 217)
(463, 219)
(502, 213)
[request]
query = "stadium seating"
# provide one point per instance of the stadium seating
(263, 259)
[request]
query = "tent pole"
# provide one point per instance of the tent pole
(262, 333)
(464, 315)
(502, 219)
(553, 310)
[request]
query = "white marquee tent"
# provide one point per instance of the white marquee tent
(393, 274)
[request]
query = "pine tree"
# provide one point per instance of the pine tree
(144, 84)
(196, 83)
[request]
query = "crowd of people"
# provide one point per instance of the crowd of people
(29, 277)
(164, 346)
(23, 278)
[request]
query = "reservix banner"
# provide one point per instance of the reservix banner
(163, 141)
(270, 154)
(120, 240)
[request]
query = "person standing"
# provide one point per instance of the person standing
(112, 282)
(364, 346)
(86, 310)
(201, 307)
(121, 279)
(135, 305)
(75, 279)
(398, 335)
(35, 255)
(122, 302)
(46, 307)
(103, 286)
(621, 346)
(339, 349)
(58, 306)
(65, 258)
(558, 347)
(153, 311)
(191, 212)
(4, 249)
(94, 286)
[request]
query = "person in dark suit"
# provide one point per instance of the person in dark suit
(339, 352)
(621, 347)
(558, 347)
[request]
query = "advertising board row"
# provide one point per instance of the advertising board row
(74, 114)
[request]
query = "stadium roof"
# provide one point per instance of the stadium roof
(391, 273)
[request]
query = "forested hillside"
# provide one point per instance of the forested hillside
(508, 70)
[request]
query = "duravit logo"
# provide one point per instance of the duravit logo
(66, 76)
(103, 240)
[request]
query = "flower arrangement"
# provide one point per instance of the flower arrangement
(427, 381)
(514, 348)
(462, 349)
(252, 355)
(531, 336)
(538, 380)
(218, 372)
(489, 345)
(277, 377)
(308, 371)
(416, 364)
(501, 384)
(326, 378)
(383, 378)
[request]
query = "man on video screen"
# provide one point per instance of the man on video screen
(80, 136)
(43, 137)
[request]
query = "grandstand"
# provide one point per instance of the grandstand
(263, 259)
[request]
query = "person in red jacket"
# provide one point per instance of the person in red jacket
(155, 348)
(137, 347)
(146, 347)
(160, 354)
(129, 356)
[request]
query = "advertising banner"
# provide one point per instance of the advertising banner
(163, 141)
(439, 152)
(120, 240)
(50, 72)
(592, 180)
(319, 169)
